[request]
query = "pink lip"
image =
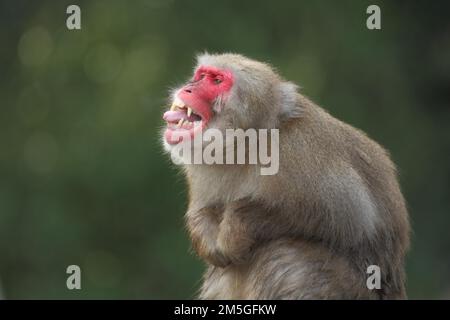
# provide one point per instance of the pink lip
(175, 136)
(187, 131)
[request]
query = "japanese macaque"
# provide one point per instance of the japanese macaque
(308, 232)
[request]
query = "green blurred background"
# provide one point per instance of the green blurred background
(83, 179)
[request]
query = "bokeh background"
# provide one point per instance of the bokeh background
(83, 179)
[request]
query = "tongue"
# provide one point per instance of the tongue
(174, 116)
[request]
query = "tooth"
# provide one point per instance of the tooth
(179, 103)
(180, 123)
(189, 112)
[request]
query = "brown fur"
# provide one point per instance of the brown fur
(310, 231)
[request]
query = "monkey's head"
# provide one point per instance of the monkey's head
(229, 91)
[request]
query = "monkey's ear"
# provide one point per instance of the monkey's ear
(289, 101)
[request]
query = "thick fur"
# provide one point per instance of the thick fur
(310, 231)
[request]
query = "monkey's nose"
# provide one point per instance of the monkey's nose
(188, 90)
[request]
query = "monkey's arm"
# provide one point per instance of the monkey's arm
(203, 227)
(226, 234)
(246, 223)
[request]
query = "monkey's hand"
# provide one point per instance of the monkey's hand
(203, 227)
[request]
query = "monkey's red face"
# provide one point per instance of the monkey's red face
(192, 107)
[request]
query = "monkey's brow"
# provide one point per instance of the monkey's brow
(192, 80)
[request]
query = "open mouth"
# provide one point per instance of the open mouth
(182, 122)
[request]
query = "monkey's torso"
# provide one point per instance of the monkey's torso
(310, 231)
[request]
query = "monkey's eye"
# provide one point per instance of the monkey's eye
(202, 76)
(217, 81)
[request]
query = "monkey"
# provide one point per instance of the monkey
(311, 230)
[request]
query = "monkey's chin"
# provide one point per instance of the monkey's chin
(174, 134)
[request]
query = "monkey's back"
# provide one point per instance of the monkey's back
(339, 188)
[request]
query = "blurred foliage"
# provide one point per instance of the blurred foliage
(83, 179)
